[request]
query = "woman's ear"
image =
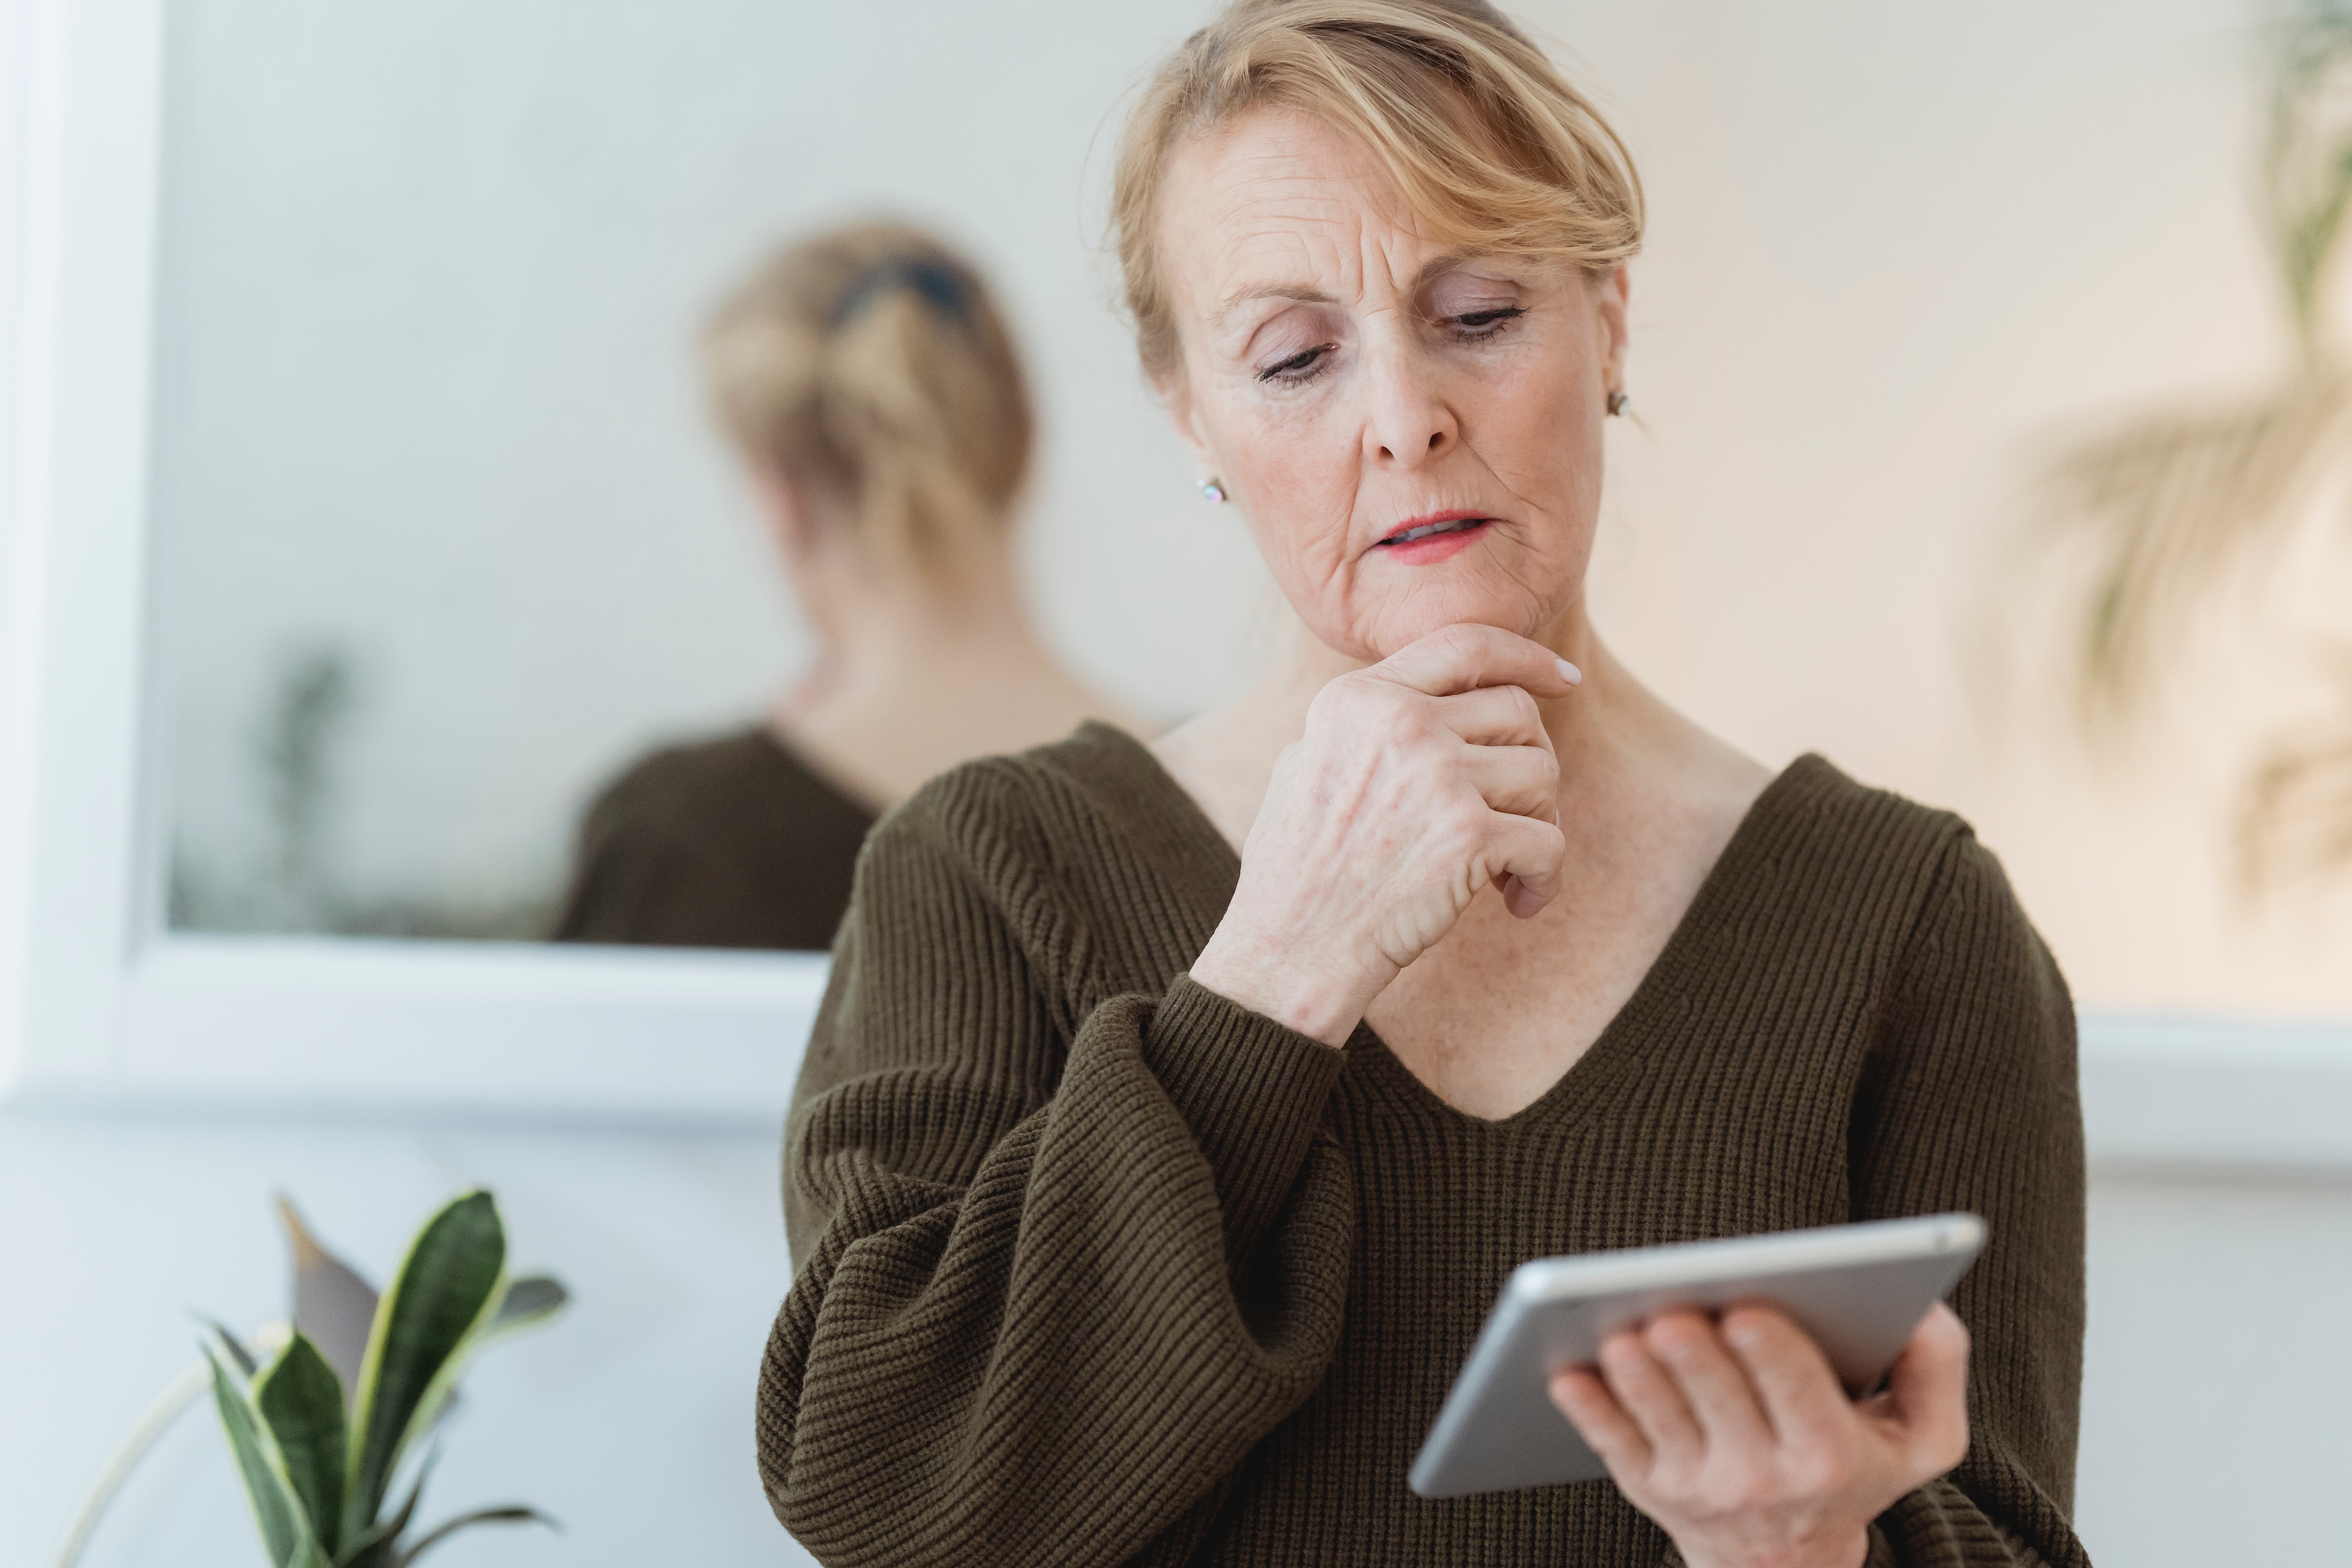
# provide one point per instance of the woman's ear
(786, 512)
(1177, 401)
(1609, 293)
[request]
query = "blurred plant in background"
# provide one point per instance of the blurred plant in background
(2177, 518)
(352, 1385)
(293, 882)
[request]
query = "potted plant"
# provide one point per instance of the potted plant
(324, 1429)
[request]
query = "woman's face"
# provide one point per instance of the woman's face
(1412, 432)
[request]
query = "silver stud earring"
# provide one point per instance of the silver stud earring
(1618, 403)
(1212, 491)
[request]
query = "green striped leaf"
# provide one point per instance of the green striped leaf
(286, 1534)
(530, 1301)
(302, 1399)
(444, 1290)
(512, 1513)
(378, 1545)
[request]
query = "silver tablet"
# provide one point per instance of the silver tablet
(1858, 1289)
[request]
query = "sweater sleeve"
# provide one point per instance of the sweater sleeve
(1059, 1266)
(1970, 1102)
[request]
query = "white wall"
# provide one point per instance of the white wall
(629, 1420)
(2217, 1401)
(2217, 1418)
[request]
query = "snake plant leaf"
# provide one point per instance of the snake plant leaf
(529, 1302)
(333, 1306)
(234, 1346)
(375, 1546)
(512, 1513)
(286, 1533)
(445, 1289)
(302, 1401)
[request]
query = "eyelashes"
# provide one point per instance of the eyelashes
(1480, 325)
(1304, 365)
(1472, 327)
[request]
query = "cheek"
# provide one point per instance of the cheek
(1296, 487)
(1542, 432)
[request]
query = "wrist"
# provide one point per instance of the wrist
(1307, 998)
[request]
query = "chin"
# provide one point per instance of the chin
(1395, 626)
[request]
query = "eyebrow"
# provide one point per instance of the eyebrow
(1308, 294)
(1297, 293)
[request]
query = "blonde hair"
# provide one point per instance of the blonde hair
(1487, 142)
(867, 367)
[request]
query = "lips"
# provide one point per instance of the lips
(1437, 524)
(1431, 530)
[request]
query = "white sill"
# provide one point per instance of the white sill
(645, 1037)
(506, 1031)
(2160, 1092)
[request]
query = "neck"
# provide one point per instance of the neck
(882, 632)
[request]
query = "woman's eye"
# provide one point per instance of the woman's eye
(1479, 324)
(1300, 366)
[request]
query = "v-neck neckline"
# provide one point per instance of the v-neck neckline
(1193, 843)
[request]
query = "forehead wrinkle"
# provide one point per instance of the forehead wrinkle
(1271, 250)
(1379, 250)
(1299, 182)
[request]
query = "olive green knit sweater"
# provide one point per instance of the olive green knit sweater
(1096, 1267)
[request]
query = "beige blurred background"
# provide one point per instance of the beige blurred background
(1898, 251)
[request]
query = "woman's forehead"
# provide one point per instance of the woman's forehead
(1279, 199)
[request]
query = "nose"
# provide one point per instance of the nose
(1409, 423)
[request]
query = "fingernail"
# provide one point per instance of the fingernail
(1569, 673)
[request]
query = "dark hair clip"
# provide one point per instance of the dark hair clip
(941, 284)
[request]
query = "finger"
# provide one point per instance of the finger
(1464, 657)
(1524, 858)
(1646, 1393)
(1929, 1390)
(1584, 1398)
(1521, 780)
(1494, 716)
(1713, 1384)
(1802, 1399)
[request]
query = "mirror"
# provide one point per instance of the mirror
(445, 538)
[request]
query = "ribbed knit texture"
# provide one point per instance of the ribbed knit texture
(1098, 1267)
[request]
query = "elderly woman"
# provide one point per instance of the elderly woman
(1176, 1112)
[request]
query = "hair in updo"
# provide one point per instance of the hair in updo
(867, 366)
(1487, 142)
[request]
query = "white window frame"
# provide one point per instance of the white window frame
(100, 1007)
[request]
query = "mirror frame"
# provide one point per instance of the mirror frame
(101, 1006)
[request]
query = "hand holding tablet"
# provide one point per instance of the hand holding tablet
(1716, 1401)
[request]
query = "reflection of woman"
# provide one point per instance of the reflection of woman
(876, 398)
(1175, 1114)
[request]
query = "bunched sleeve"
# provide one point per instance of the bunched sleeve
(1059, 1267)
(1970, 1102)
